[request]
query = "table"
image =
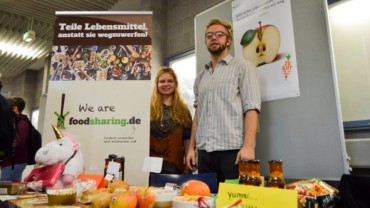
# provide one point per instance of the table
(39, 202)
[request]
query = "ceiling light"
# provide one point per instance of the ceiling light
(12, 49)
(29, 36)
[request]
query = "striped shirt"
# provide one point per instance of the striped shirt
(222, 97)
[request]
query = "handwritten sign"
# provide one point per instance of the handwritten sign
(235, 195)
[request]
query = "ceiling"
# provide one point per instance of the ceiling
(16, 17)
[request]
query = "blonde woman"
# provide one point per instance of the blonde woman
(170, 122)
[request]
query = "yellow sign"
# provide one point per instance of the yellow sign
(242, 196)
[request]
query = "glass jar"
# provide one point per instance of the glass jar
(243, 165)
(249, 172)
(276, 179)
(120, 161)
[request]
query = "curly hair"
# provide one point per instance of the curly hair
(225, 24)
(180, 112)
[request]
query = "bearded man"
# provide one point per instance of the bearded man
(228, 103)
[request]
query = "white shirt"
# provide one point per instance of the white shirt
(222, 97)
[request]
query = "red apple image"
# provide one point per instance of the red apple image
(145, 198)
(261, 45)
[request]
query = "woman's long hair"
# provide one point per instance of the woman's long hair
(180, 112)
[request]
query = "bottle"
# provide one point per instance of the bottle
(243, 172)
(121, 161)
(249, 172)
(122, 170)
(276, 179)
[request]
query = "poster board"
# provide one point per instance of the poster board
(272, 48)
(98, 90)
(305, 132)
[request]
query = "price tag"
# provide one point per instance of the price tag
(153, 164)
(109, 177)
(113, 167)
(171, 186)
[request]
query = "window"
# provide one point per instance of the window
(35, 117)
(185, 68)
(349, 23)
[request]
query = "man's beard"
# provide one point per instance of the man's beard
(218, 50)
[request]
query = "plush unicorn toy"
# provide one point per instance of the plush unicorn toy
(65, 149)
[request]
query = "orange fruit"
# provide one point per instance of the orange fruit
(195, 187)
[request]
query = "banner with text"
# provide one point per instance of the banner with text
(99, 87)
(263, 34)
(236, 195)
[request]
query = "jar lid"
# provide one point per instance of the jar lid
(275, 161)
(112, 156)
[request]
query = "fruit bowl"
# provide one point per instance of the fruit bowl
(163, 198)
(192, 201)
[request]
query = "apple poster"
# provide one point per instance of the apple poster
(263, 35)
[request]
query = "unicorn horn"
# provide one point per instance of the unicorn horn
(57, 132)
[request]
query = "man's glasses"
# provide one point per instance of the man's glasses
(219, 34)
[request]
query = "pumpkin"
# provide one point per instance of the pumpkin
(195, 187)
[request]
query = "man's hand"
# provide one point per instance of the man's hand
(191, 160)
(245, 153)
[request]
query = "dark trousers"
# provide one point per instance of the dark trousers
(220, 162)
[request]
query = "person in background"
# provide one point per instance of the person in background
(6, 125)
(170, 122)
(13, 171)
(227, 102)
